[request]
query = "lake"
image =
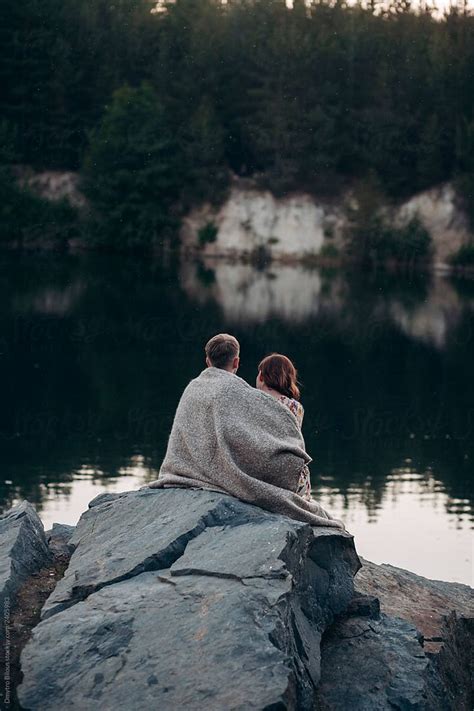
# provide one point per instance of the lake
(96, 350)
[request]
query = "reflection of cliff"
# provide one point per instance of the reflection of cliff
(432, 320)
(52, 301)
(247, 294)
(293, 293)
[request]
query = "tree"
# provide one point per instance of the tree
(205, 174)
(430, 163)
(131, 169)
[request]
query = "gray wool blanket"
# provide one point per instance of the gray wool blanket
(231, 438)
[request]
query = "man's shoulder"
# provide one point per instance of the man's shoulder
(216, 380)
(220, 386)
(220, 378)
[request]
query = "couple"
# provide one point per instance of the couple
(230, 437)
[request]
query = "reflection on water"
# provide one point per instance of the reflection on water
(414, 526)
(96, 351)
(246, 294)
(295, 293)
(434, 320)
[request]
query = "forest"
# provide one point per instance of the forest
(157, 106)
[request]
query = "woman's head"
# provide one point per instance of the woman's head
(277, 372)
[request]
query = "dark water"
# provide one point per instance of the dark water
(95, 352)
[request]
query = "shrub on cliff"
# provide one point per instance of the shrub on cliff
(373, 237)
(464, 257)
(404, 245)
(27, 218)
(409, 243)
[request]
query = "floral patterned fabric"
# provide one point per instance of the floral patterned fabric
(304, 484)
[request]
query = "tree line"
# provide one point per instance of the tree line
(158, 106)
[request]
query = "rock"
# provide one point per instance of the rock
(23, 550)
(424, 603)
(441, 213)
(58, 539)
(418, 655)
(132, 533)
(300, 225)
(373, 664)
(251, 219)
(53, 185)
(364, 606)
(188, 599)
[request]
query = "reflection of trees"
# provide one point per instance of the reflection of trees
(464, 287)
(399, 484)
(408, 288)
(97, 383)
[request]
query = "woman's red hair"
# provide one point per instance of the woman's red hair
(279, 373)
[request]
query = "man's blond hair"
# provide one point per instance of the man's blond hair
(222, 349)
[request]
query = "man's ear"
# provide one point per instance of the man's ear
(236, 363)
(208, 362)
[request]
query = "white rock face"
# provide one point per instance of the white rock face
(440, 212)
(293, 226)
(53, 185)
(300, 225)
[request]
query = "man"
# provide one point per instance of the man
(223, 351)
(230, 437)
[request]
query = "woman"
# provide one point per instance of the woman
(277, 376)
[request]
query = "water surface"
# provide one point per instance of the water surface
(95, 352)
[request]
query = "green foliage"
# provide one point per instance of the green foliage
(205, 174)
(329, 251)
(464, 257)
(372, 238)
(465, 182)
(206, 276)
(132, 170)
(24, 217)
(405, 244)
(312, 98)
(207, 234)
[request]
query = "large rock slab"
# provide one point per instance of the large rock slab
(147, 643)
(23, 550)
(418, 654)
(188, 599)
(122, 535)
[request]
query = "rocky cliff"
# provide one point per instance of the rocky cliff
(301, 226)
(294, 227)
(191, 599)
